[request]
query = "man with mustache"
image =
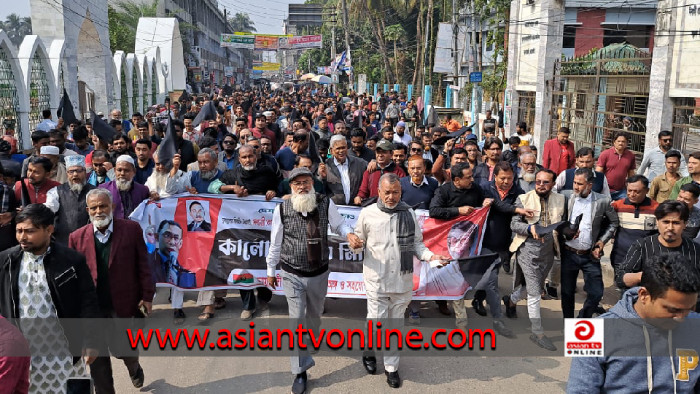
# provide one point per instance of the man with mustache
(199, 181)
(67, 201)
(38, 180)
(116, 254)
(671, 219)
(164, 181)
(534, 253)
(299, 243)
(392, 236)
(198, 223)
(126, 193)
(584, 159)
(527, 168)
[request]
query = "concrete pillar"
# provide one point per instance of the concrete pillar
(660, 106)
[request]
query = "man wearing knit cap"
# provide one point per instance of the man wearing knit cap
(401, 136)
(126, 193)
(58, 172)
(299, 240)
(67, 201)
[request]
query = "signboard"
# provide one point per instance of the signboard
(301, 42)
(228, 71)
(237, 41)
(475, 77)
(267, 66)
(266, 43)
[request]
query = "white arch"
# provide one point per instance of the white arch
(56, 51)
(30, 46)
(145, 63)
(132, 64)
(22, 96)
(164, 34)
(119, 63)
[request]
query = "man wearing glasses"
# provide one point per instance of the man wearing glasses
(584, 159)
(534, 252)
(655, 159)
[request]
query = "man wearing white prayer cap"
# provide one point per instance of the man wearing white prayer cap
(126, 193)
(68, 202)
(58, 173)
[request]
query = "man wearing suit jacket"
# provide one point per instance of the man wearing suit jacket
(341, 174)
(598, 225)
(116, 255)
(197, 214)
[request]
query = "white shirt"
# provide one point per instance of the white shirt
(424, 182)
(103, 238)
(583, 206)
(406, 139)
(335, 222)
(382, 257)
(46, 125)
(52, 201)
(561, 181)
(344, 170)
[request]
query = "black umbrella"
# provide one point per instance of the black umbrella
(65, 109)
(208, 112)
(474, 268)
(101, 129)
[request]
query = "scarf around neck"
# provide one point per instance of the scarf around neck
(406, 230)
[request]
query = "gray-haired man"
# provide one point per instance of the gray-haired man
(299, 242)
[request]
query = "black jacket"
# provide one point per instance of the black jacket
(498, 234)
(447, 200)
(71, 285)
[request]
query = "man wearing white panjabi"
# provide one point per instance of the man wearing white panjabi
(391, 236)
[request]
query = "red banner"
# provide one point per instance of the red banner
(460, 237)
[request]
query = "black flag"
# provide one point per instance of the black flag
(104, 131)
(208, 112)
(168, 147)
(184, 97)
(65, 109)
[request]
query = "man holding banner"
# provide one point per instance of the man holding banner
(393, 237)
(299, 240)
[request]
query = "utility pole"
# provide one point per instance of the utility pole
(347, 33)
(455, 43)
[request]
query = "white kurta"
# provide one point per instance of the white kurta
(382, 261)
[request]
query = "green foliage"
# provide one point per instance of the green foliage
(16, 28)
(123, 20)
(241, 22)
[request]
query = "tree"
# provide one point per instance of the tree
(123, 20)
(16, 28)
(241, 22)
(394, 33)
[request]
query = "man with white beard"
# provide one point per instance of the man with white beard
(299, 242)
(67, 201)
(126, 194)
(392, 236)
(163, 182)
(116, 255)
(527, 169)
(199, 181)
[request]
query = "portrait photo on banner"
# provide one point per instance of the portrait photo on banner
(198, 218)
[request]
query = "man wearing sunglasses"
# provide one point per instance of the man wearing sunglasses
(655, 159)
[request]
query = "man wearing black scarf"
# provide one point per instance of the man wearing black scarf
(249, 177)
(392, 235)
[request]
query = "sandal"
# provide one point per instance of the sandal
(205, 316)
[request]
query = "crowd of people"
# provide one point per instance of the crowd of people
(65, 207)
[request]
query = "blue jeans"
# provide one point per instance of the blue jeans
(571, 264)
(618, 194)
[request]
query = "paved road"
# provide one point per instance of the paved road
(346, 375)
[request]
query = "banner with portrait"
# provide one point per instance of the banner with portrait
(212, 242)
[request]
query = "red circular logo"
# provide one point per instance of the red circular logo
(584, 330)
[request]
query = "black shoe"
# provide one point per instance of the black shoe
(599, 310)
(552, 292)
(442, 307)
(178, 317)
(299, 385)
(506, 266)
(219, 303)
(393, 379)
(479, 307)
(137, 379)
(511, 313)
(543, 342)
(502, 329)
(370, 364)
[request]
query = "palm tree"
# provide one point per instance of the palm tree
(16, 28)
(241, 22)
(394, 33)
(376, 10)
(124, 20)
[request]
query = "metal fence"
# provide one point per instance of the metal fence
(9, 101)
(39, 98)
(526, 108)
(686, 125)
(599, 94)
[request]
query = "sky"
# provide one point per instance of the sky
(266, 14)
